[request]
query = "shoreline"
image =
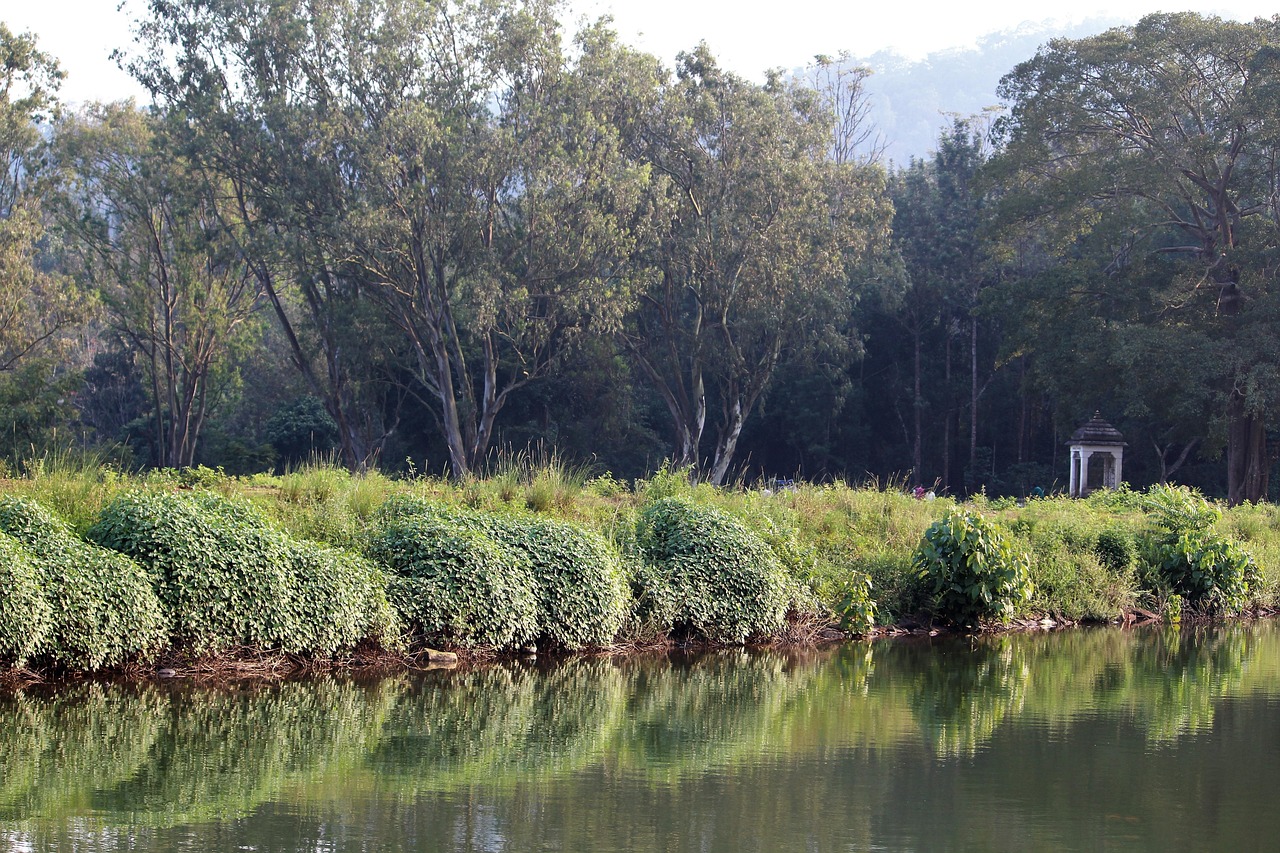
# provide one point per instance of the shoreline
(130, 577)
(247, 666)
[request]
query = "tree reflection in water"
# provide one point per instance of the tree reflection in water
(864, 745)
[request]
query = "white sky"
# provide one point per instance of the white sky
(747, 36)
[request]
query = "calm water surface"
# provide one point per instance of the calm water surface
(1086, 740)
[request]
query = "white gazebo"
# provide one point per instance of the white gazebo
(1097, 457)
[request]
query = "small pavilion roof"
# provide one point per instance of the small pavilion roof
(1098, 431)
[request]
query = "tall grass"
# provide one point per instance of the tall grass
(76, 484)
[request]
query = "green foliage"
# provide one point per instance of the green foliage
(229, 578)
(577, 577)
(302, 429)
(1115, 549)
(1078, 556)
(73, 484)
(26, 619)
(581, 588)
(705, 571)
(972, 569)
(1179, 508)
(105, 612)
(670, 481)
(201, 477)
(1118, 499)
(455, 584)
(606, 486)
(854, 606)
(819, 584)
(1209, 571)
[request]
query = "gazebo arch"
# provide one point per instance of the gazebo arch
(1100, 442)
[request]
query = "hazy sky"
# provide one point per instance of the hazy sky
(746, 35)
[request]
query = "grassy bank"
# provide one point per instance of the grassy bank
(108, 570)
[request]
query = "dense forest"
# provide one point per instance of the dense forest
(423, 236)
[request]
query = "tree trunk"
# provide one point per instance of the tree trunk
(947, 418)
(1167, 470)
(917, 454)
(973, 393)
(1248, 465)
(727, 445)
(1023, 415)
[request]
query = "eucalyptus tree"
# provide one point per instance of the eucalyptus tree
(149, 237)
(37, 303)
(755, 231)
(498, 211)
(263, 87)
(446, 162)
(1151, 148)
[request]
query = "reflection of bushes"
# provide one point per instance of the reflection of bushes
(504, 724)
(173, 753)
(57, 751)
(1185, 676)
(718, 708)
(225, 752)
(961, 696)
(499, 723)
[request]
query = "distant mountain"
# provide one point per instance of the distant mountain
(912, 100)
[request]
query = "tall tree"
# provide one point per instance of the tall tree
(941, 212)
(1149, 142)
(450, 163)
(263, 86)
(174, 282)
(36, 302)
(756, 231)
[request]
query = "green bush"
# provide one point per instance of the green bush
(578, 578)
(453, 583)
(229, 578)
(704, 570)
(302, 428)
(1210, 572)
(1074, 583)
(580, 585)
(1115, 549)
(972, 570)
(105, 611)
(26, 620)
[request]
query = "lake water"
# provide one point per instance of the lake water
(1158, 739)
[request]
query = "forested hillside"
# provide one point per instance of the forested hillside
(420, 237)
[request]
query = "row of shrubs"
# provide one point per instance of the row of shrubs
(195, 572)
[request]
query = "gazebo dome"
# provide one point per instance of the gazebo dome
(1098, 431)
(1096, 457)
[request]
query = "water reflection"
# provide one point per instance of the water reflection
(942, 744)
